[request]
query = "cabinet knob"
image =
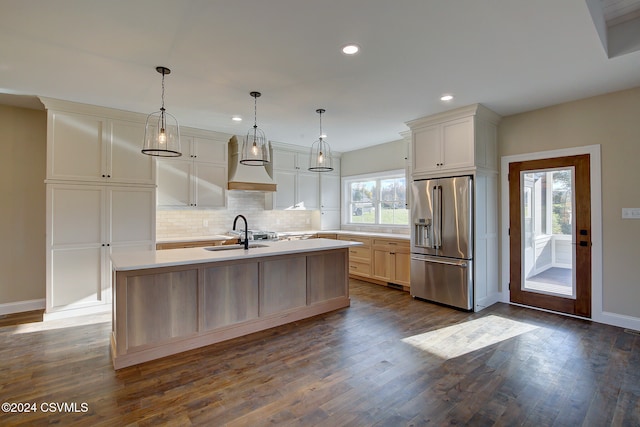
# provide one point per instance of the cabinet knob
(108, 176)
(104, 176)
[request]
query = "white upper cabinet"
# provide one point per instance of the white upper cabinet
(457, 141)
(125, 162)
(198, 178)
(85, 147)
(297, 187)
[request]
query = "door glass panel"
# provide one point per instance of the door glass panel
(548, 218)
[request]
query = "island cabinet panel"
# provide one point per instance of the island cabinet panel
(230, 295)
(327, 277)
(283, 284)
(161, 307)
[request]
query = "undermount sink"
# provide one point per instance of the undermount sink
(231, 247)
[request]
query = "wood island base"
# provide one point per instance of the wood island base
(162, 311)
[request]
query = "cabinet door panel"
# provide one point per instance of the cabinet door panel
(230, 295)
(76, 277)
(132, 215)
(330, 219)
(76, 215)
(426, 149)
(210, 181)
(284, 285)
(209, 150)
(173, 182)
(458, 143)
(73, 137)
(284, 160)
(286, 187)
(402, 261)
(161, 306)
(125, 161)
(326, 275)
(381, 265)
(329, 191)
(308, 183)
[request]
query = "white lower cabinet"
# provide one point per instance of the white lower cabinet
(85, 223)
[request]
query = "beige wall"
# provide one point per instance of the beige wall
(613, 122)
(378, 158)
(22, 211)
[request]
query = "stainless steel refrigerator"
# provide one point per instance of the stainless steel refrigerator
(442, 241)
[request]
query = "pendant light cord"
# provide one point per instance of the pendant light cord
(162, 110)
(255, 118)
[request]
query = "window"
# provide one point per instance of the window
(377, 200)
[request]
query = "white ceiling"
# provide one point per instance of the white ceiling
(511, 55)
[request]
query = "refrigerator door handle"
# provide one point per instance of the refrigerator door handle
(440, 261)
(436, 194)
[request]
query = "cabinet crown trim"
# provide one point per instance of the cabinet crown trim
(477, 110)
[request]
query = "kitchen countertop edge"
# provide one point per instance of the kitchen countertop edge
(140, 260)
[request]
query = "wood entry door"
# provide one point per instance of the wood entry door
(550, 234)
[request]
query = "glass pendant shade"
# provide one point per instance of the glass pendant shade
(255, 150)
(320, 160)
(162, 135)
(162, 132)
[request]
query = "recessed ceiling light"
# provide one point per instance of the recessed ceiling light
(236, 118)
(446, 97)
(350, 49)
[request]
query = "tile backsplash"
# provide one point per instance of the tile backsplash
(188, 222)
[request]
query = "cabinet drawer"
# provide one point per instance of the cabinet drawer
(391, 245)
(361, 268)
(360, 252)
(366, 242)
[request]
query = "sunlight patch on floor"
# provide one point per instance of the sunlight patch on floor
(457, 340)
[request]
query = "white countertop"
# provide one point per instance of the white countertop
(137, 260)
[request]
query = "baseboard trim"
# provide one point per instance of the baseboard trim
(621, 320)
(84, 311)
(22, 306)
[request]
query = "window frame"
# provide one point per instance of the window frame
(378, 177)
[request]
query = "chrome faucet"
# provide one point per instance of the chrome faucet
(246, 230)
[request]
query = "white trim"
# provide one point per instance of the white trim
(597, 312)
(22, 306)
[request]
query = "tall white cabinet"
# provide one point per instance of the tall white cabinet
(100, 199)
(464, 142)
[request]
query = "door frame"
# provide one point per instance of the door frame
(596, 221)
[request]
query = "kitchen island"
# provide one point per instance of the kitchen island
(169, 301)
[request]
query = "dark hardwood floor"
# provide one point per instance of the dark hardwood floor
(388, 360)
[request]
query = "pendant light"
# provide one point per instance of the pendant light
(162, 133)
(255, 150)
(320, 160)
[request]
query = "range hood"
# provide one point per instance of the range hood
(248, 178)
